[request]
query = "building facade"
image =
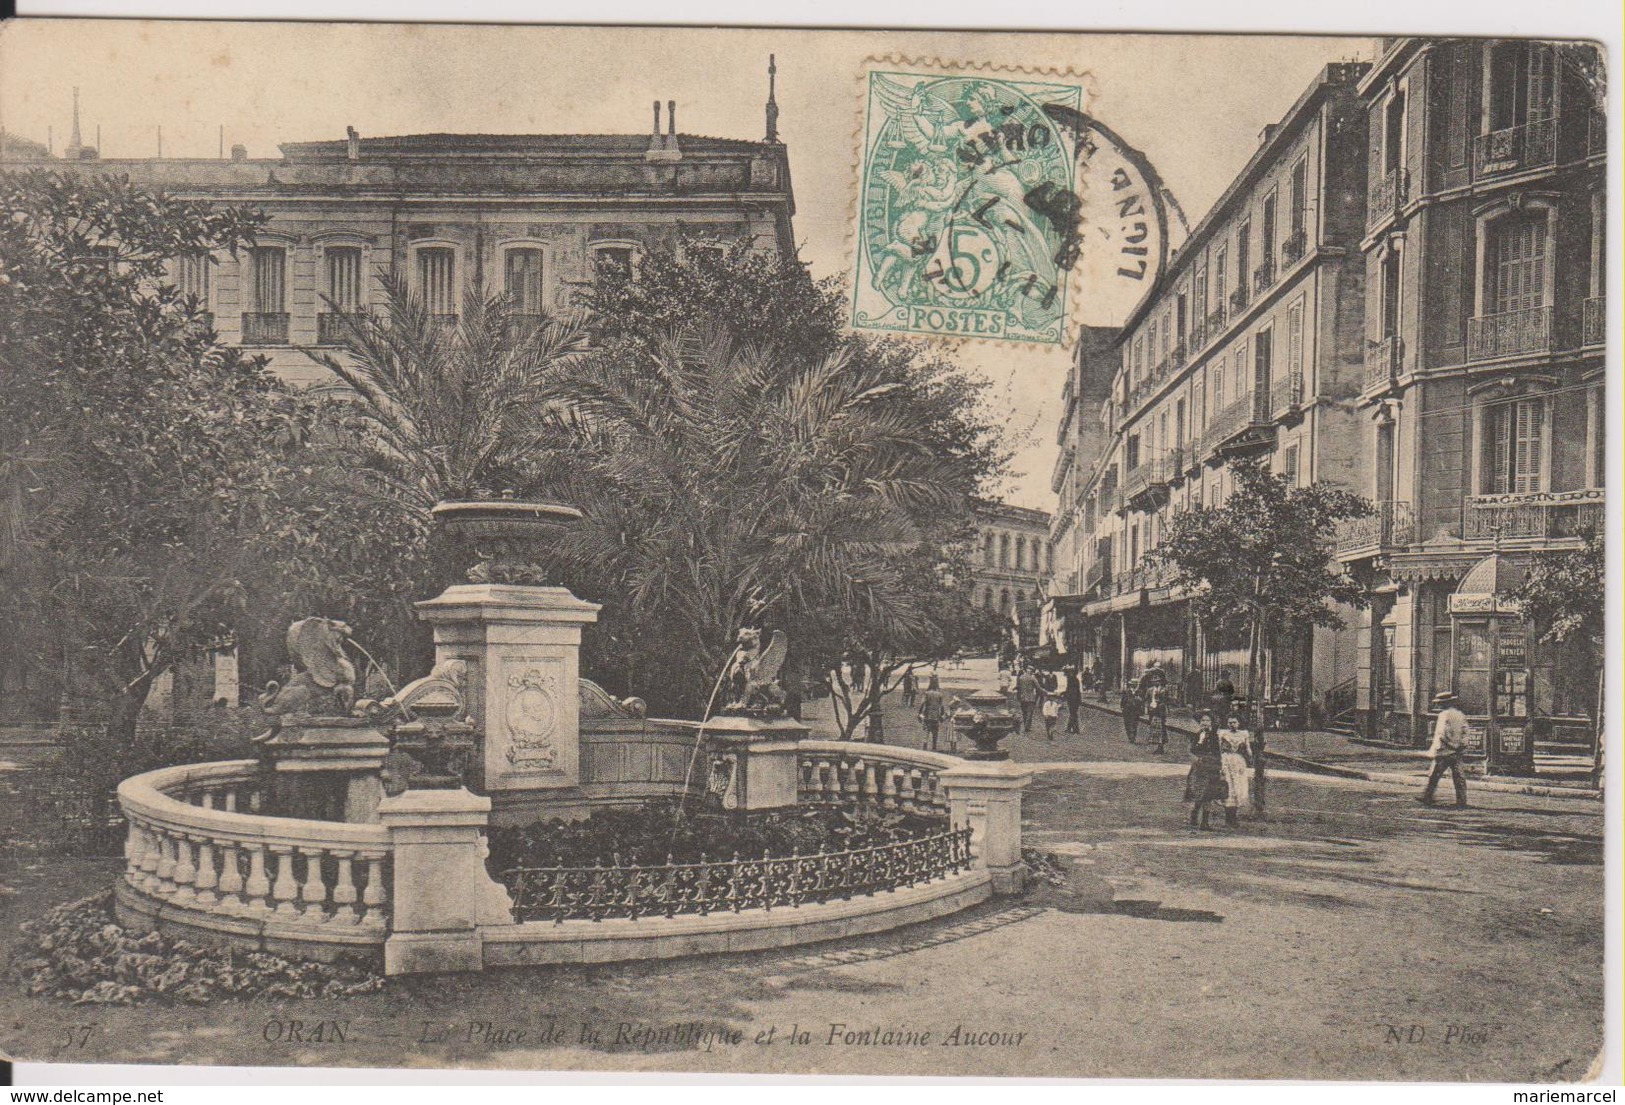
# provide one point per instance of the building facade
(1011, 563)
(1482, 407)
(539, 217)
(1250, 348)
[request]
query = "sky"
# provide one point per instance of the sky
(1193, 105)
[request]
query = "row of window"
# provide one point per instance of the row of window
(1031, 554)
(434, 274)
(1188, 313)
(1004, 599)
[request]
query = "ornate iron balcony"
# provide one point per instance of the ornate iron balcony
(1516, 149)
(331, 328)
(1238, 300)
(1177, 358)
(1198, 334)
(1286, 394)
(265, 328)
(1383, 359)
(1594, 323)
(1392, 525)
(1216, 320)
(1509, 333)
(1264, 276)
(1537, 514)
(1295, 246)
(1388, 194)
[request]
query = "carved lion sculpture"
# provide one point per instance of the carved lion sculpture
(324, 678)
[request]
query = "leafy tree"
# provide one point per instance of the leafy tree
(1261, 564)
(149, 473)
(1563, 598)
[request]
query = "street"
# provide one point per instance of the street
(1355, 934)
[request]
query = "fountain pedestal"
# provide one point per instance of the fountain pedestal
(327, 768)
(753, 760)
(521, 644)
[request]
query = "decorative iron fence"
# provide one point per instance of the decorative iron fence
(1296, 244)
(597, 893)
(1538, 514)
(1391, 524)
(1264, 276)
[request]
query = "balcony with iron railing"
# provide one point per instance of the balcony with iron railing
(1239, 299)
(265, 328)
(1098, 574)
(1231, 421)
(1198, 337)
(1509, 334)
(1137, 480)
(1264, 276)
(1540, 515)
(1171, 469)
(1383, 359)
(1594, 322)
(1388, 194)
(1216, 320)
(1533, 145)
(1286, 395)
(333, 328)
(1391, 525)
(1295, 246)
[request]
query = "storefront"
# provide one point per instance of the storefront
(1493, 666)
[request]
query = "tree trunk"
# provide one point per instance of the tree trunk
(1255, 702)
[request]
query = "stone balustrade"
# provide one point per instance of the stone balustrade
(880, 775)
(200, 858)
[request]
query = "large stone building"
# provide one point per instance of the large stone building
(1012, 562)
(538, 216)
(1249, 346)
(1482, 406)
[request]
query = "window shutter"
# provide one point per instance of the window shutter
(1500, 450)
(1455, 121)
(1294, 353)
(1529, 439)
(1540, 81)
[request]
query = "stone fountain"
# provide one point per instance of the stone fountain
(518, 636)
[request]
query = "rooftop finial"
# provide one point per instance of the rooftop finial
(671, 118)
(772, 104)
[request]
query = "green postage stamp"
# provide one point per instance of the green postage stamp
(968, 205)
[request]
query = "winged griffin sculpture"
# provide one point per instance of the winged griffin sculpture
(753, 673)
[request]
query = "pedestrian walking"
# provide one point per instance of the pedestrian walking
(911, 685)
(933, 708)
(1074, 698)
(1204, 784)
(1027, 695)
(1235, 766)
(1449, 742)
(1099, 673)
(1129, 703)
(1052, 714)
(1154, 696)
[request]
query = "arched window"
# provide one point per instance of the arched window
(1021, 552)
(1004, 550)
(1004, 601)
(987, 598)
(987, 554)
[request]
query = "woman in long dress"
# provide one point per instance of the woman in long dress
(1235, 765)
(1205, 783)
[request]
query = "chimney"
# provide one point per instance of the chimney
(352, 144)
(663, 148)
(1267, 133)
(239, 152)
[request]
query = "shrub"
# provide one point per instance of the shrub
(78, 953)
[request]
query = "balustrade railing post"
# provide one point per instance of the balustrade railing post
(231, 876)
(285, 888)
(986, 798)
(314, 890)
(208, 877)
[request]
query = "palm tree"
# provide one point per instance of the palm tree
(441, 409)
(718, 481)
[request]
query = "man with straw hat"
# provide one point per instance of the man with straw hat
(1449, 742)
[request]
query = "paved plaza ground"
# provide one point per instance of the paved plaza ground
(1354, 935)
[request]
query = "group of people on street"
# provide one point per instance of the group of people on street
(1044, 693)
